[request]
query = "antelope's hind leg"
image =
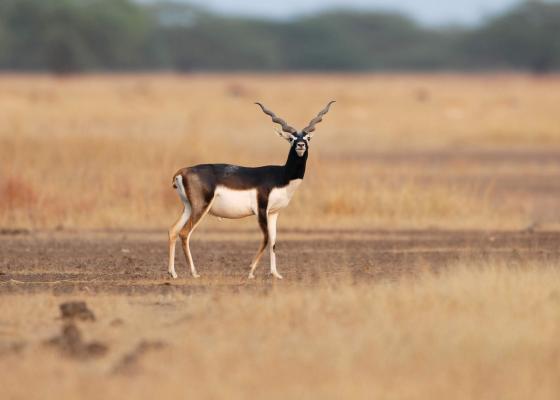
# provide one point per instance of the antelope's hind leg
(185, 234)
(173, 232)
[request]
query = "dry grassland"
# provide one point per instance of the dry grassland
(474, 332)
(395, 151)
(367, 309)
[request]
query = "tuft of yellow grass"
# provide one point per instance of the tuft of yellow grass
(99, 151)
(472, 331)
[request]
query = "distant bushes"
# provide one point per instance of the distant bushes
(86, 35)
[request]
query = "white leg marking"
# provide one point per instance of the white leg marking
(188, 240)
(272, 241)
(174, 230)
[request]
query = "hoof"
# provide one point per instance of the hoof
(195, 275)
(251, 276)
(173, 274)
(277, 275)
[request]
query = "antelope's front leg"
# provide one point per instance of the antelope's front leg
(272, 244)
(263, 223)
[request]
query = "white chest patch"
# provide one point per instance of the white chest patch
(280, 198)
(230, 203)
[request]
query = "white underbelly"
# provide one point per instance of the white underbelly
(279, 198)
(230, 203)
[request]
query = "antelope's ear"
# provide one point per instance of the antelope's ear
(285, 135)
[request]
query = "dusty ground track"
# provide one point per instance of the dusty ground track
(135, 262)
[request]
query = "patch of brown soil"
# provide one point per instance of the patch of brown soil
(76, 310)
(71, 344)
(62, 263)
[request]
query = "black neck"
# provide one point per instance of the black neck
(295, 165)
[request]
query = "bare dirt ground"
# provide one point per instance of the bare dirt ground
(135, 262)
(424, 314)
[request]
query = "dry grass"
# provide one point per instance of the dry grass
(484, 332)
(99, 151)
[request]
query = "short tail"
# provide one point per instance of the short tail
(174, 180)
(179, 175)
(180, 187)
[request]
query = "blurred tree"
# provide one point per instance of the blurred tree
(363, 41)
(4, 44)
(218, 43)
(526, 37)
(66, 36)
(116, 32)
(72, 35)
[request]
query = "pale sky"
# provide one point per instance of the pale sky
(426, 11)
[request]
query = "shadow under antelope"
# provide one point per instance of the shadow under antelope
(231, 191)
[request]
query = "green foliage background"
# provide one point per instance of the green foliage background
(66, 36)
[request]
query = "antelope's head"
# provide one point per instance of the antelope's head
(298, 140)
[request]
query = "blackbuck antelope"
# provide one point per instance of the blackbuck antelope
(230, 191)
